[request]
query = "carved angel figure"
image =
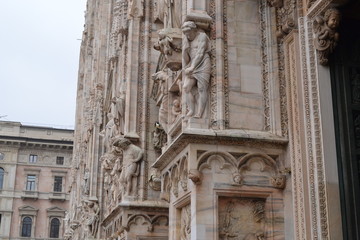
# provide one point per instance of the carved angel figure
(165, 44)
(326, 34)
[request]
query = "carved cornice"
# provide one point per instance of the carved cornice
(144, 206)
(220, 137)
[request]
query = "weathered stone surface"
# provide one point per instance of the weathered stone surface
(219, 102)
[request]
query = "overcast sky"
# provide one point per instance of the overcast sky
(39, 56)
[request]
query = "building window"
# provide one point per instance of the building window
(26, 227)
(2, 156)
(58, 184)
(60, 160)
(1, 177)
(54, 228)
(33, 158)
(31, 183)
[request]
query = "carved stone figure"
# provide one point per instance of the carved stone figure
(135, 8)
(226, 231)
(162, 78)
(195, 176)
(131, 163)
(176, 108)
(86, 183)
(169, 44)
(169, 12)
(279, 181)
(110, 130)
(159, 137)
(154, 179)
(119, 109)
(67, 233)
(92, 217)
(111, 163)
(166, 44)
(237, 178)
(326, 38)
(196, 48)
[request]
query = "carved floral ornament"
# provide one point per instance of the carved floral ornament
(326, 34)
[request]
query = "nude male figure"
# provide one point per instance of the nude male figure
(196, 48)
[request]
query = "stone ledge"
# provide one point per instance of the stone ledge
(217, 137)
(138, 205)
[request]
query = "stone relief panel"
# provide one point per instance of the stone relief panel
(185, 223)
(246, 107)
(241, 218)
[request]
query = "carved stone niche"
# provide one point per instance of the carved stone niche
(242, 218)
(169, 44)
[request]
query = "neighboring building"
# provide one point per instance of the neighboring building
(217, 119)
(34, 170)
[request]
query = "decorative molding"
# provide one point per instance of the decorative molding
(314, 136)
(291, 43)
(265, 66)
(236, 138)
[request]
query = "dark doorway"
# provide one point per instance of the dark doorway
(345, 79)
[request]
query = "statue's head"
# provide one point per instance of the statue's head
(162, 34)
(189, 28)
(332, 18)
(176, 102)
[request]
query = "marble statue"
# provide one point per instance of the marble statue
(132, 155)
(118, 104)
(86, 183)
(162, 78)
(197, 67)
(169, 12)
(110, 130)
(92, 217)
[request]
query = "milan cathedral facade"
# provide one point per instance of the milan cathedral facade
(217, 119)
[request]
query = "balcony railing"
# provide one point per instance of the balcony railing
(30, 194)
(57, 196)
